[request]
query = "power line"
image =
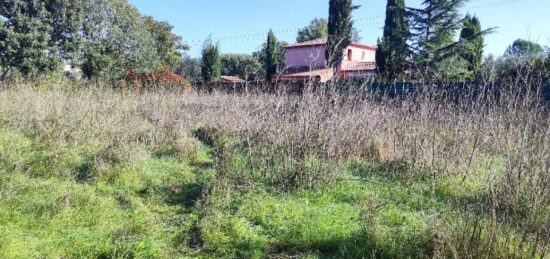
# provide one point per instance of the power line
(290, 32)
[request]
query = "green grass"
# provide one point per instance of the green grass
(349, 219)
(126, 211)
(65, 202)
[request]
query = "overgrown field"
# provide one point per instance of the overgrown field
(93, 172)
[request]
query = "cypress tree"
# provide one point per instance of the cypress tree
(211, 64)
(433, 26)
(471, 39)
(393, 49)
(271, 58)
(340, 30)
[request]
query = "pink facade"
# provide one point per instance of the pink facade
(312, 57)
(306, 60)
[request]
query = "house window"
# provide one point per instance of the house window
(350, 54)
(363, 56)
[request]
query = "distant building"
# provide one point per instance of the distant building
(307, 61)
(231, 80)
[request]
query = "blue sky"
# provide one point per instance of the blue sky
(240, 26)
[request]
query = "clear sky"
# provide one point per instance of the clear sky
(240, 26)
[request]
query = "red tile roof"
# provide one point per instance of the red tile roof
(322, 75)
(231, 80)
(317, 42)
(349, 66)
(362, 46)
(323, 41)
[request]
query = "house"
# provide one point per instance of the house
(307, 61)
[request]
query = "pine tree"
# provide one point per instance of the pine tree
(340, 30)
(524, 48)
(271, 58)
(471, 39)
(211, 64)
(433, 26)
(393, 51)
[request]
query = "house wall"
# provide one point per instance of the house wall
(355, 74)
(357, 54)
(306, 57)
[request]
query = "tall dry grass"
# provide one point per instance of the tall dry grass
(499, 139)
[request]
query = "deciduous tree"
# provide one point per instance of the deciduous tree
(26, 38)
(191, 68)
(246, 67)
(317, 29)
(116, 40)
(169, 46)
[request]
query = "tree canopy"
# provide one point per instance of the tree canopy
(169, 46)
(104, 37)
(244, 66)
(317, 29)
(433, 27)
(524, 48)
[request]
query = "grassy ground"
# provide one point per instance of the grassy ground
(92, 173)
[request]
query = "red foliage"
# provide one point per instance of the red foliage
(163, 77)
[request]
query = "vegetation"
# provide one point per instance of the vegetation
(471, 40)
(393, 50)
(523, 62)
(433, 27)
(169, 46)
(191, 68)
(317, 29)
(339, 30)
(262, 55)
(91, 168)
(271, 56)
(93, 172)
(105, 38)
(211, 63)
(524, 48)
(247, 67)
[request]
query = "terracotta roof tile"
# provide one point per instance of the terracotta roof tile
(357, 66)
(323, 75)
(231, 79)
(323, 41)
(316, 42)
